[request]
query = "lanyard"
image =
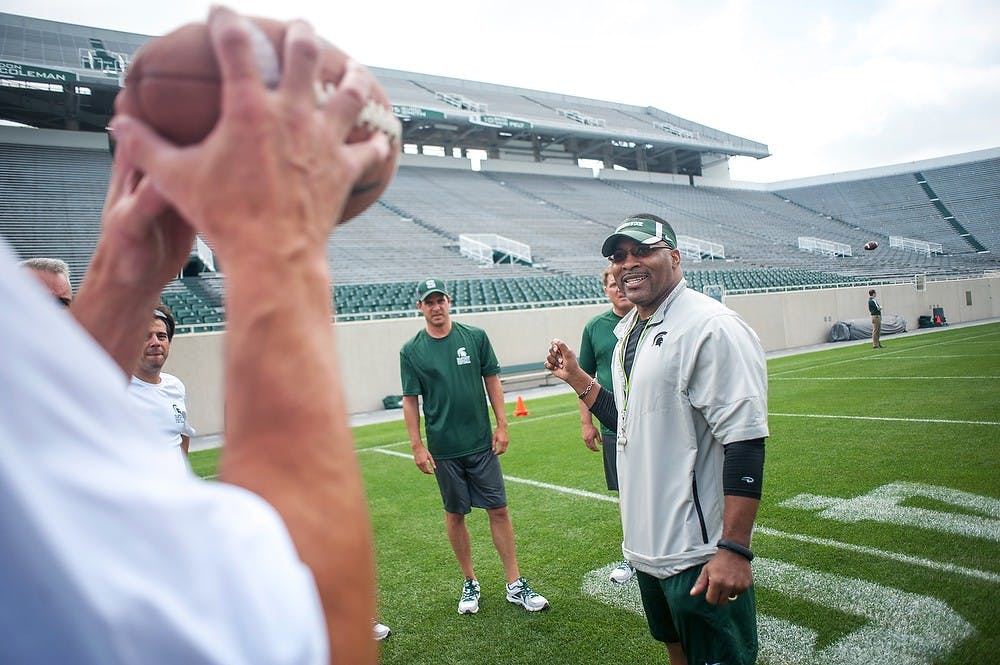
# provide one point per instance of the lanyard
(635, 352)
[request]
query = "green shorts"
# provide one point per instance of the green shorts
(707, 633)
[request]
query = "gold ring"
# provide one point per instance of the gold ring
(734, 596)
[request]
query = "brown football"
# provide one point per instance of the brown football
(870, 245)
(173, 85)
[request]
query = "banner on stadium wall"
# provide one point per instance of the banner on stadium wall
(19, 72)
(499, 121)
(406, 112)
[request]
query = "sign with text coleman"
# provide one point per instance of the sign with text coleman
(19, 72)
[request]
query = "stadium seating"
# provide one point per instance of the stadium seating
(897, 205)
(53, 198)
(52, 202)
(972, 193)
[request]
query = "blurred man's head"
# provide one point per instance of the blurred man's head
(54, 274)
(619, 303)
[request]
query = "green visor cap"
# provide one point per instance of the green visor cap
(642, 230)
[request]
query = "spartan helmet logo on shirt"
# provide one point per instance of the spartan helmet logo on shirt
(658, 340)
(462, 358)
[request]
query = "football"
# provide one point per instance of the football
(870, 245)
(173, 85)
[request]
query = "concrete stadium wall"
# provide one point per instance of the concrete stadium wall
(369, 350)
(53, 137)
(644, 176)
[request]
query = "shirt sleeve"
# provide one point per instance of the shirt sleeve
(188, 431)
(728, 381)
(587, 358)
(408, 377)
(490, 365)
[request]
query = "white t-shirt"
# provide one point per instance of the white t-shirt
(107, 553)
(163, 405)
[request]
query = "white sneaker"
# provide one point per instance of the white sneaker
(382, 631)
(521, 594)
(622, 573)
(469, 604)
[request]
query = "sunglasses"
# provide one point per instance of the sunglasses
(639, 252)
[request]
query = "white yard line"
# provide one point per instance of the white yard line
(885, 554)
(884, 354)
(882, 377)
(893, 556)
(522, 481)
(884, 418)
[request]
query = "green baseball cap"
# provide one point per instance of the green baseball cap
(644, 229)
(429, 286)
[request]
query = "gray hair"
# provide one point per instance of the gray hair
(43, 264)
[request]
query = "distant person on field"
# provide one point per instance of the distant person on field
(876, 311)
(690, 409)
(160, 397)
(596, 353)
(108, 557)
(448, 363)
(54, 274)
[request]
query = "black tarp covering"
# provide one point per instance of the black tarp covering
(862, 328)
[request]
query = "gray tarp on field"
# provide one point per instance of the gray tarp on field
(862, 328)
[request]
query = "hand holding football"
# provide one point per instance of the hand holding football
(173, 85)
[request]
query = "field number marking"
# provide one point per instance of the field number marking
(883, 504)
(902, 628)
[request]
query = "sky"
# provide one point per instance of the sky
(829, 86)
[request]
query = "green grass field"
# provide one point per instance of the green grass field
(878, 537)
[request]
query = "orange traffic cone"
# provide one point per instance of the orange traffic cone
(519, 408)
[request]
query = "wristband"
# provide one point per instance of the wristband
(593, 382)
(737, 548)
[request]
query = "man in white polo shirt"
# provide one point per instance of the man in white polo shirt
(158, 396)
(690, 409)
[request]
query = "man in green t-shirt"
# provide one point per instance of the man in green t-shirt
(596, 351)
(448, 363)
